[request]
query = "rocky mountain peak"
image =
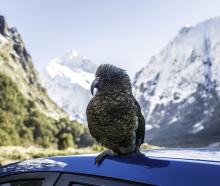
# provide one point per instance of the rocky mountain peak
(73, 60)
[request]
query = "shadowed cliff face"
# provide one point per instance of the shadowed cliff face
(179, 89)
(3, 26)
(16, 62)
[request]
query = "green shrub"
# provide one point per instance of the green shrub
(65, 141)
(5, 139)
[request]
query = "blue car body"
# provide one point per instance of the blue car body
(153, 167)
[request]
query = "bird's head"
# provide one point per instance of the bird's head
(109, 78)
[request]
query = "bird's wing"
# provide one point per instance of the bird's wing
(140, 133)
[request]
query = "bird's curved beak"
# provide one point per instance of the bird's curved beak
(94, 84)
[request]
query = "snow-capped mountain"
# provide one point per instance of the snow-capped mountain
(67, 80)
(179, 89)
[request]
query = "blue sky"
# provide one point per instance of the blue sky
(122, 32)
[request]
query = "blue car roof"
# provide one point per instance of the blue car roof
(151, 167)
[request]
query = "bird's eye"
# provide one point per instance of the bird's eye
(97, 78)
(107, 77)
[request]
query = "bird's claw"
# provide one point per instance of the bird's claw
(102, 156)
(138, 151)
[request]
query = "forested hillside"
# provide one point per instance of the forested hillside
(27, 115)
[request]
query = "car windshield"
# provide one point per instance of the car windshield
(79, 77)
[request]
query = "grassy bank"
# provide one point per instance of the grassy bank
(10, 154)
